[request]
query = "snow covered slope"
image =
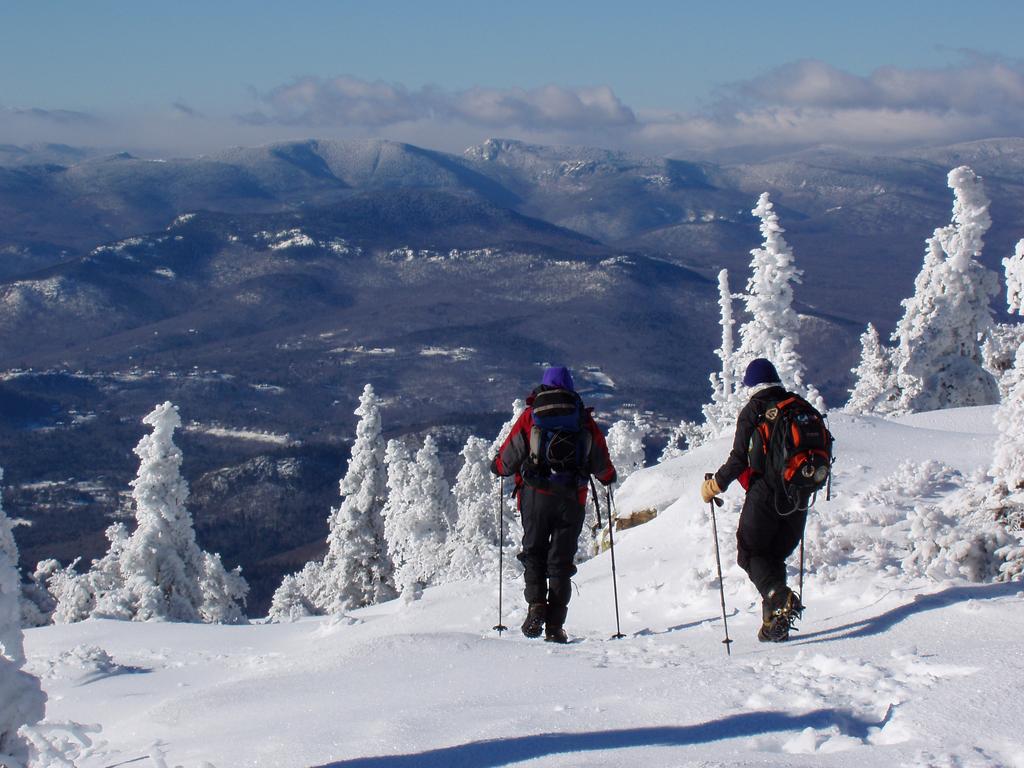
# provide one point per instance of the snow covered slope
(899, 660)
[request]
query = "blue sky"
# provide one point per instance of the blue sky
(239, 64)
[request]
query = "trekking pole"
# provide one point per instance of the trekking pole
(611, 546)
(718, 562)
(802, 537)
(499, 627)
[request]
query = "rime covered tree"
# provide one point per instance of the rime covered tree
(1000, 347)
(626, 445)
(773, 328)
(166, 575)
(473, 546)
(100, 592)
(397, 508)
(417, 526)
(686, 433)
(22, 701)
(513, 524)
(356, 570)
(518, 406)
(1014, 267)
(727, 396)
(290, 601)
(158, 572)
(874, 390)
(1008, 461)
(939, 360)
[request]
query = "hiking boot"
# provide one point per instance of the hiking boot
(779, 611)
(534, 622)
(555, 635)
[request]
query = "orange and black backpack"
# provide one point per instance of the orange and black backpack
(793, 449)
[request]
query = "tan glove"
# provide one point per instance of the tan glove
(709, 490)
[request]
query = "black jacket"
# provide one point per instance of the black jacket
(746, 424)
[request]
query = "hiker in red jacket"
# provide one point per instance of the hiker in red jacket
(553, 449)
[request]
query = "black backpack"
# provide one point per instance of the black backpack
(795, 448)
(559, 440)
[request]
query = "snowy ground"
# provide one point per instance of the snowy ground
(892, 666)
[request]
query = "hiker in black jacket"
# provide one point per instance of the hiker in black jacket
(552, 503)
(764, 537)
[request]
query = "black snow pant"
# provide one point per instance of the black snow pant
(552, 522)
(764, 538)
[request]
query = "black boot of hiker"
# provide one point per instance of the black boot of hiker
(535, 617)
(553, 632)
(779, 611)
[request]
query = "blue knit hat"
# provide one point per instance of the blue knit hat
(558, 376)
(760, 371)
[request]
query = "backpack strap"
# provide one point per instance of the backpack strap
(536, 436)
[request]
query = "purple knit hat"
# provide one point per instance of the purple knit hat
(558, 376)
(760, 371)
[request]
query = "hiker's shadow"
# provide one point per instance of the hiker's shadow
(876, 625)
(494, 753)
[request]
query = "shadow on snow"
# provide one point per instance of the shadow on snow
(648, 632)
(876, 625)
(498, 752)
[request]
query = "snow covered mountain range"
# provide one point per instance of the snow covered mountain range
(260, 288)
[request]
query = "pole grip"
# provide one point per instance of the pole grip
(717, 501)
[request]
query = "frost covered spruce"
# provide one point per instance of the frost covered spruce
(938, 361)
(417, 526)
(626, 445)
(773, 330)
(1008, 461)
(473, 546)
(158, 572)
(875, 389)
(22, 700)
(356, 570)
(726, 393)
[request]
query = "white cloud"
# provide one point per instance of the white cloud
(803, 103)
(349, 101)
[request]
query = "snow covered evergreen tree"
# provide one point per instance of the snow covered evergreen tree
(513, 523)
(1004, 339)
(473, 546)
(727, 396)
(104, 582)
(1014, 267)
(939, 359)
(874, 391)
(684, 436)
(289, 602)
(626, 445)
(158, 572)
(397, 508)
(773, 329)
(421, 532)
(1008, 461)
(166, 575)
(518, 406)
(22, 701)
(356, 570)
(38, 604)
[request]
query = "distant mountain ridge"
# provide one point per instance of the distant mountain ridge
(871, 212)
(260, 288)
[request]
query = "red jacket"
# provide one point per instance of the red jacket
(516, 449)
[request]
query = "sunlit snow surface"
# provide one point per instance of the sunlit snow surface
(891, 667)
